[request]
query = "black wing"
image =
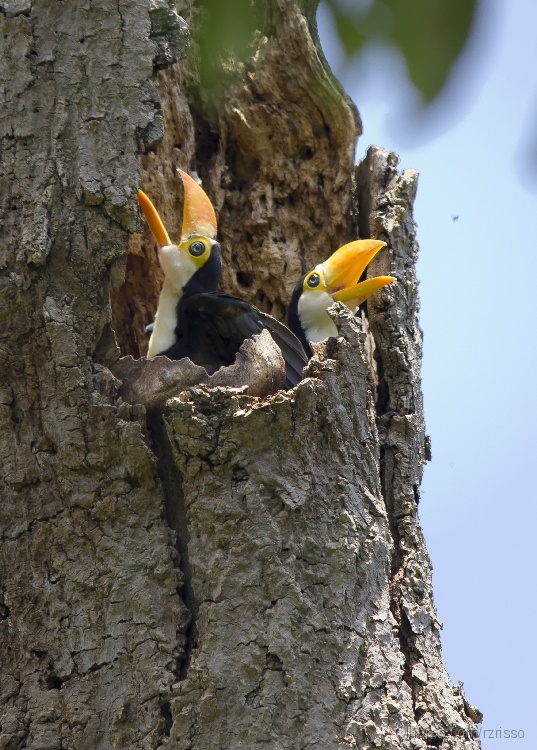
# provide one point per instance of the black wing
(291, 348)
(212, 327)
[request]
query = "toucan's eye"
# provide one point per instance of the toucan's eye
(314, 280)
(196, 249)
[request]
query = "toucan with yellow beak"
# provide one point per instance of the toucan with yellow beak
(192, 319)
(335, 280)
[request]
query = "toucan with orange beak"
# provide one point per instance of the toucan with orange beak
(192, 319)
(335, 280)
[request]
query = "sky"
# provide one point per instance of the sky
(477, 197)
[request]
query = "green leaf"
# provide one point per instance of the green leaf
(431, 35)
(349, 29)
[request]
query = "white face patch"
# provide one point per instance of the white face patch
(312, 307)
(177, 265)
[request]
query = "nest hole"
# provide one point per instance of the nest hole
(245, 279)
(134, 303)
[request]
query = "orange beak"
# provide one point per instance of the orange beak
(198, 212)
(153, 219)
(344, 267)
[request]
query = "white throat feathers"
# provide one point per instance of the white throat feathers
(316, 322)
(178, 269)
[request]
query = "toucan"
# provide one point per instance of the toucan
(335, 280)
(192, 319)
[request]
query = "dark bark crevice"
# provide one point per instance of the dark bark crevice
(175, 513)
(397, 567)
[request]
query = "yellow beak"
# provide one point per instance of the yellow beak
(344, 267)
(198, 212)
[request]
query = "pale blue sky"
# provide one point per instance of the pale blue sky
(478, 506)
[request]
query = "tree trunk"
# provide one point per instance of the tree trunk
(223, 570)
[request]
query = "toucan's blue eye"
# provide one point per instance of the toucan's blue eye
(196, 248)
(314, 280)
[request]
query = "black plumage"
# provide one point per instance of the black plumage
(295, 324)
(207, 277)
(212, 326)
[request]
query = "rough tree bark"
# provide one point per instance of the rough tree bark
(221, 570)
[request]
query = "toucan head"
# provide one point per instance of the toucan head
(335, 280)
(194, 264)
